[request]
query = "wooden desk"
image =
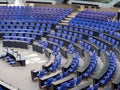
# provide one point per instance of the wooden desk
(86, 59)
(66, 42)
(79, 48)
(93, 47)
(15, 43)
(49, 63)
(109, 45)
(67, 64)
(104, 58)
(7, 86)
(38, 36)
(34, 73)
(19, 59)
(58, 82)
(47, 52)
(37, 47)
(19, 37)
(44, 78)
(83, 85)
(64, 51)
(117, 53)
(51, 44)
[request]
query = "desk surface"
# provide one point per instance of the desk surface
(51, 60)
(102, 40)
(51, 75)
(86, 59)
(82, 85)
(112, 36)
(104, 59)
(64, 79)
(15, 55)
(9, 86)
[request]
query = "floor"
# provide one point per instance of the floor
(20, 77)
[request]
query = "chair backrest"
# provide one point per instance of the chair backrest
(79, 79)
(65, 74)
(64, 86)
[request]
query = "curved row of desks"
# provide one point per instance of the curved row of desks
(34, 72)
(38, 36)
(15, 43)
(93, 46)
(95, 33)
(17, 57)
(78, 48)
(84, 67)
(104, 58)
(109, 45)
(117, 53)
(6, 86)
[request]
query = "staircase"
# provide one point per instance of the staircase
(66, 20)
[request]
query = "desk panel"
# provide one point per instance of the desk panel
(47, 76)
(58, 82)
(93, 47)
(15, 43)
(38, 48)
(104, 58)
(86, 59)
(109, 45)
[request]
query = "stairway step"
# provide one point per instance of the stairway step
(68, 19)
(63, 23)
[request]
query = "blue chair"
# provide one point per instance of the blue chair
(56, 41)
(53, 67)
(63, 36)
(27, 35)
(118, 88)
(71, 83)
(63, 86)
(53, 34)
(28, 41)
(76, 29)
(49, 81)
(65, 74)
(70, 33)
(41, 73)
(20, 34)
(3, 55)
(73, 40)
(12, 63)
(71, 51)
(65, 32)
(13, 34)
(51, 39)
(61, 43)
(1, 88)
(34, 37)
(75, 34)
(79, 79)
(65, 27)
(69, 37)
(96, 86)
(60, 76)
(59, 31)
(41, 33)
(90, 88)
(109, 39)
(45, 45)
(7, 34)
(58, 34)
(14, 38)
